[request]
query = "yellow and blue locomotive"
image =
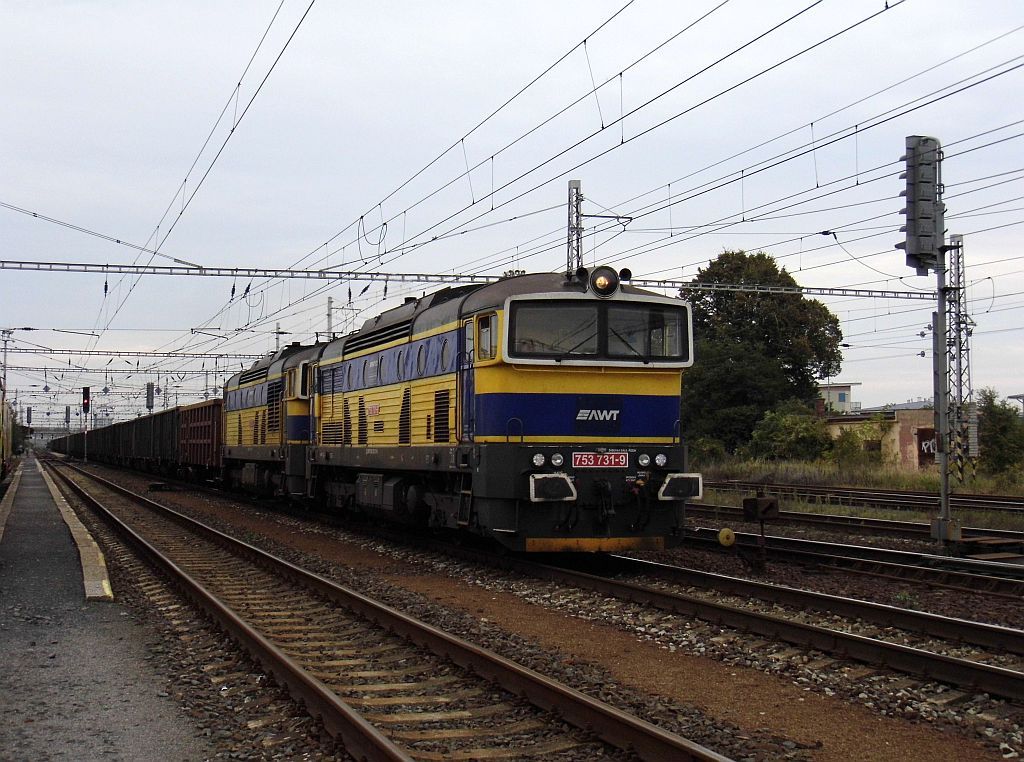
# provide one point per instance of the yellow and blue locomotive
(541, 411)
(266, 427)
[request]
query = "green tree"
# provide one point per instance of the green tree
(753, 350)
(1000, 433)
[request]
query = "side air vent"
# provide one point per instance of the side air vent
(405, 418)
(275, 391)
(332, 433)
(362, 422)
(442, 427)
(253, 374)
(376, 338)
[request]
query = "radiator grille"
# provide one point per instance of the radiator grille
(405, 418)
(442, 428)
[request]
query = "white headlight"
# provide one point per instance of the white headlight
(557, 459)
(660, 459)
(644, 460)
(538, 460)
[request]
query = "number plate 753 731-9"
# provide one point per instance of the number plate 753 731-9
(599, 460)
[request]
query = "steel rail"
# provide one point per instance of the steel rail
(971, 566)
(361, 739)
(877, 497)
(917, 567)
(913, 529)
(949, 669)
(613, 726)
(921, 622)
(961, 672)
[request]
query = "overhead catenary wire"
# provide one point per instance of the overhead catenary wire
(159, 241)
(786, 156)
(461, 140)
(458, 142)
(237, 120)
(297, 302)
(746, 80)
(855, 131)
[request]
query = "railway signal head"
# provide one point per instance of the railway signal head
(760, 508)
(85, 399)
(925, 226)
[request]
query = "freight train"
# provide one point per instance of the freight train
(540, 411)
(7, 426)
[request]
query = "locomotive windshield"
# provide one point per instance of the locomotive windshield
(606, 331)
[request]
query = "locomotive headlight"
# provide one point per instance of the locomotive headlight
(538, 459)
(660, 460)
(557, 459)
(604, 281)
(644, 460)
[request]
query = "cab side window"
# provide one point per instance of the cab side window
(487, 331)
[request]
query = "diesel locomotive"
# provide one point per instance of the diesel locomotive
(541, 411)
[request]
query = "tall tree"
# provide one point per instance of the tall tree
(1000, 433)
(753, 350)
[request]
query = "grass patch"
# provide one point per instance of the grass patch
(830, 474)
(986, 519)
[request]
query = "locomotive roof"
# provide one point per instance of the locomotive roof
(415, 315)
(261, 368)
(304, 354)
(420, 314)
(494, 295)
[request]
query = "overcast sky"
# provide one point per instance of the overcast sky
(146, 123)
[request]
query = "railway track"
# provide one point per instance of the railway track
(880, 498)
(991, 578)
(388, 686)
(602, 574)
(889, 527)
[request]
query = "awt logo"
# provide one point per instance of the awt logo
(597, 415)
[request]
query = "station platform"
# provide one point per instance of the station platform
(75, 680)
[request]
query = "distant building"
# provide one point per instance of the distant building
(905, 438)
(921, 403)
(903, 433)
(837, 399)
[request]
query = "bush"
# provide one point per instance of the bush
(852, 447)
(705, 451)
(789, 433)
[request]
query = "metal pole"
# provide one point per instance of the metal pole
(574, 249)
(1020, 399)
(3, 389)
(330, 316)
(944, 528)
